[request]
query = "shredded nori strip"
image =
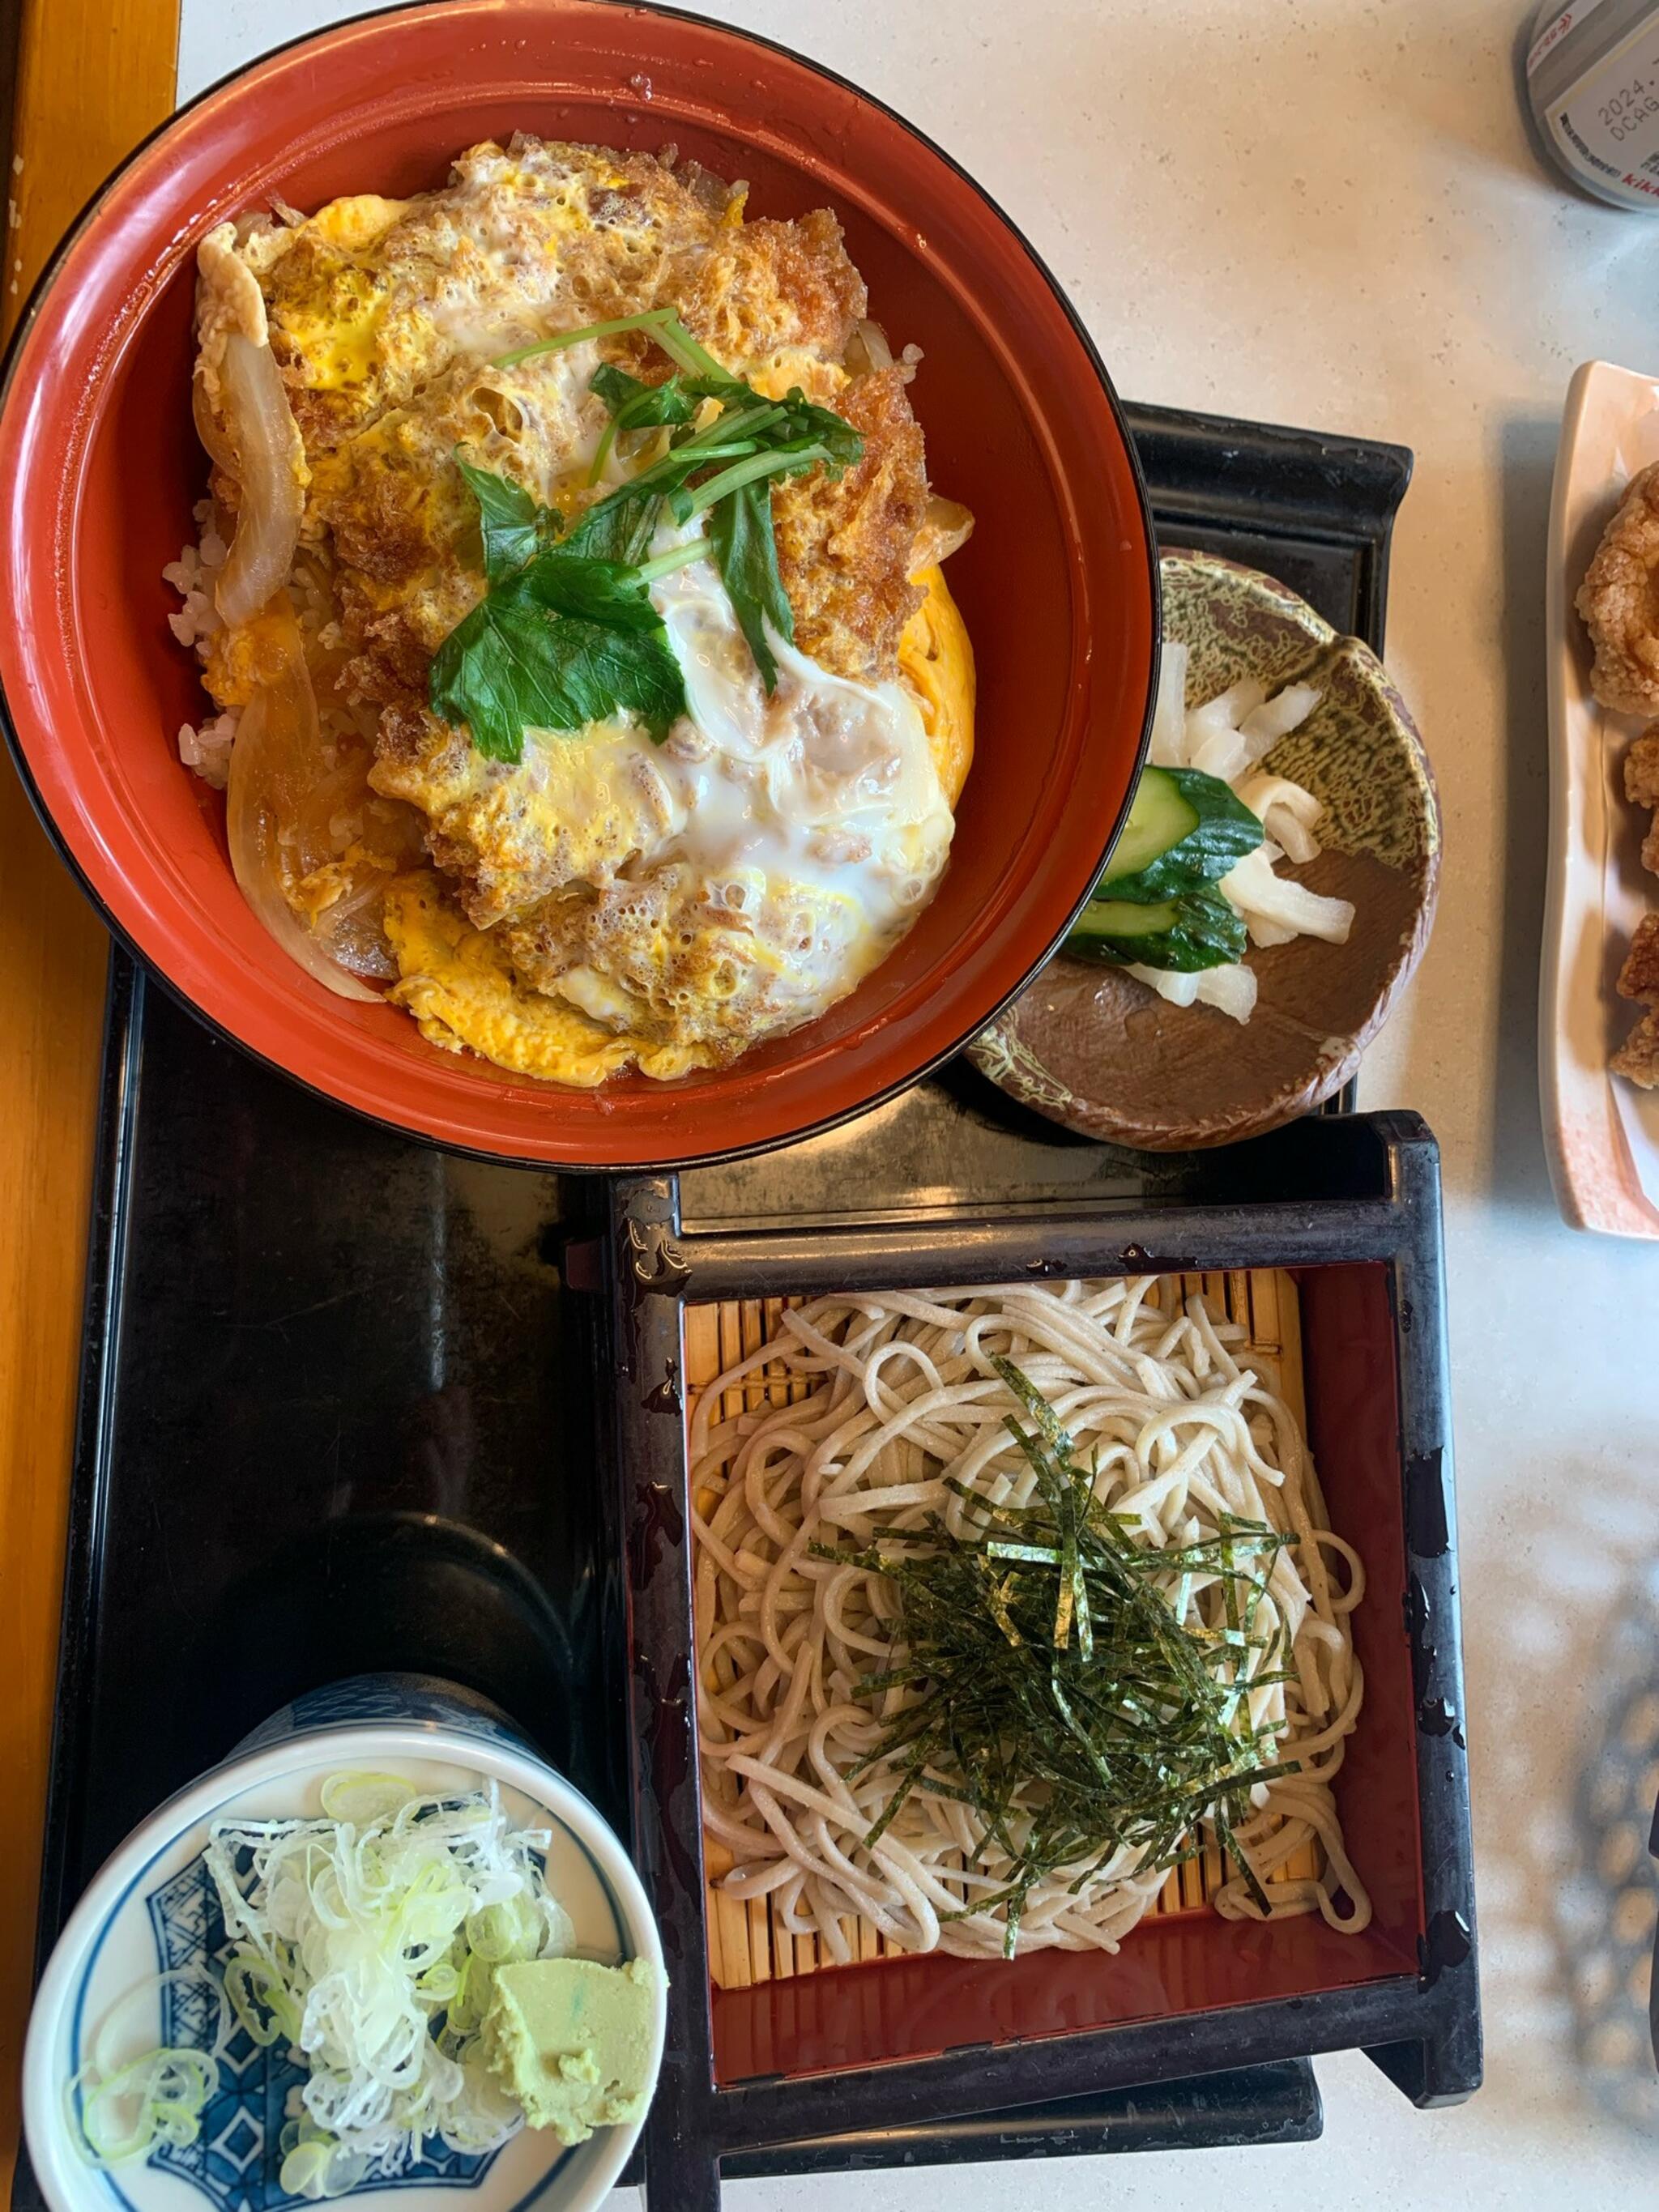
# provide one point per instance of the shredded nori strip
(1053, 1685)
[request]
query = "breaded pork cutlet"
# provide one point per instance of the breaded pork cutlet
(778, 302)
(653, 836)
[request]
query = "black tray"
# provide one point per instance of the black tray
(328, 1370)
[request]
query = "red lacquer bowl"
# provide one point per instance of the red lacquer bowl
(99, 467)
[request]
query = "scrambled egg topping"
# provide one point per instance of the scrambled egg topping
(457, 982)
(937, 661)
(387, 319)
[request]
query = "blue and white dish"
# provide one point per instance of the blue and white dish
(152, 1909)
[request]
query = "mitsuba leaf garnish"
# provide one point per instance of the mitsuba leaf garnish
(739, 528)
(809, 423)
(635, 406)
(618, 530)
(523, 659)
(608, 592)
(1055, 1691)
(566, 634)
(632, 403)
(509, 519)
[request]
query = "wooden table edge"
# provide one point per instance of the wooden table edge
(94, 77)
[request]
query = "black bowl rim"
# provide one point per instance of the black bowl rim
(48, 278)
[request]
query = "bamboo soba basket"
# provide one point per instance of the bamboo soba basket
(746, 1944)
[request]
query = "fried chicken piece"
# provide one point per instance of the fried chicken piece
(1618, 600)
(1638, 978)
(1641, 789)
(1642, 770)
(1638, 1058)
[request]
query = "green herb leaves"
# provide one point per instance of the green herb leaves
(567, 634)
(564, 642)
(633, 404)
(511, 522)
(660, 323)
(805, 424)
(740, 532)
(618, 529)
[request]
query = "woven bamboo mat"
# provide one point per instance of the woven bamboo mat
(745, 1944)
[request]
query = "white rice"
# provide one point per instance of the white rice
(204, 746)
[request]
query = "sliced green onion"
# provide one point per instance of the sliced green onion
(258, 1996)
(103, 2058)
(305, 2170)
(117, 2109)
(167, 2088)
(360, 1798)
(369, 1943)
(511, 1929)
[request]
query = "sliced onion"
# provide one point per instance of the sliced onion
(276, 758)
(867, 349)
(253, 859)
(208, 429)
(946, 526)
(354, 930)
(268, 460)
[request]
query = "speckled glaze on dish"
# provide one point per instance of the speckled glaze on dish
(1092, 1048)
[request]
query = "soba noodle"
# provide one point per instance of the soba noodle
(903, 1397)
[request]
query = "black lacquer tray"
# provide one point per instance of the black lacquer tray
(1350, 1204)
(350, 1403)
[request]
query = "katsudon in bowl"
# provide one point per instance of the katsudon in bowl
(568, 596)
(476, 613)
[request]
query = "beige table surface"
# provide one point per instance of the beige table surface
(1314, 211)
